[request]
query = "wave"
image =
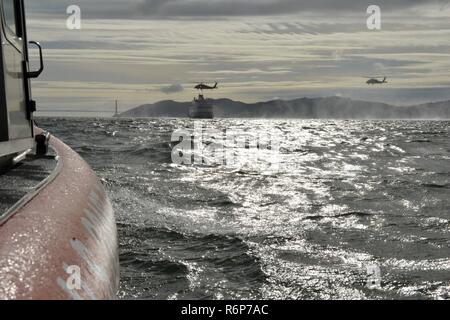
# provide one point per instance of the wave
(196, 232)
(343, 215)
(436, 185)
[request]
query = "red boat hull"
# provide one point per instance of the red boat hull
(62, 242)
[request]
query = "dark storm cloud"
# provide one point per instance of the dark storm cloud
(268, 7)
(89, 8)
(205, 8)
(174, 88)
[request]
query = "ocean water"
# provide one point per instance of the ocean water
(354, 209)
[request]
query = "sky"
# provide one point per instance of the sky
(144, 51)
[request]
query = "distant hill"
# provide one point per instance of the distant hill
(304, 108)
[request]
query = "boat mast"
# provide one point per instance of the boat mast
(117, 108)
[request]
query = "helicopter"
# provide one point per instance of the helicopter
(373, 81)
(203, 86)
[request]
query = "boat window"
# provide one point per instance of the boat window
(9, 12)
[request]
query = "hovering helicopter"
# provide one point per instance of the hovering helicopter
(203, 86)
(373, 81)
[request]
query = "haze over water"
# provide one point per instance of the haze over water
(348, 195)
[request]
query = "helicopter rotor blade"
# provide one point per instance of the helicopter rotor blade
(376, 77)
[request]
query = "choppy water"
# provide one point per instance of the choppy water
(348, 195)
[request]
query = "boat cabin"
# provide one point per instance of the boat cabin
(16, 104)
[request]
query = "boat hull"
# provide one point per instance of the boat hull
(201, 115)
(201, 109)
(61, 242)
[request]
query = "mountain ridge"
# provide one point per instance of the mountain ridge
(300, 108)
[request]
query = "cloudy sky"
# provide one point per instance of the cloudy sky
(141, 51)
